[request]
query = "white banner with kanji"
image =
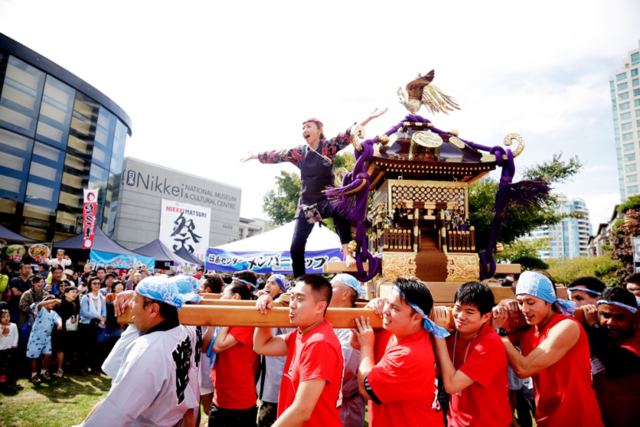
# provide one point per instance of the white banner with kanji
(182, 224)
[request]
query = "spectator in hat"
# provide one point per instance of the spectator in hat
(36, 294)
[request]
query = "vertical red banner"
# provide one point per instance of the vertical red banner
(89, 214)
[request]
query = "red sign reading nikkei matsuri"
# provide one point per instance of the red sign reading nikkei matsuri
(89, 214)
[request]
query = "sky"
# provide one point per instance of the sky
(207, 82)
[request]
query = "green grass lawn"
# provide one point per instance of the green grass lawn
(62, 402)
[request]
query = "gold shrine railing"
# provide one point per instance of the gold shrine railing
(396, 239)
(460, 241)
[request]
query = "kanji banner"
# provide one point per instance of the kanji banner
(185, 225)
(268, 262)
(89, 217)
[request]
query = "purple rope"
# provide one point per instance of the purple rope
(353, 205)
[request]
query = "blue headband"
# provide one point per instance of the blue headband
(249, 284)
(188, 287)
(163, 289)
(351, 282)
(282, 281)
(590, 291)
(633, 310)
(427, 323)
(539, 285)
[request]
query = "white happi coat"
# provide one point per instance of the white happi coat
(152, 386)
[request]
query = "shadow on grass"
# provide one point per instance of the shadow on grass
(62, 390)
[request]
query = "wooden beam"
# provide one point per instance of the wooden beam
(341, 267)
(198, 315)
(508, 269)
(245, 303)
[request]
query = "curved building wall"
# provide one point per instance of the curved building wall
(58, 135)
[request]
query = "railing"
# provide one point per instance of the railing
(461, 241)
(396, 239)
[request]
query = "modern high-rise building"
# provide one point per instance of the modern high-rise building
(570, 237)
(625, 100)
(58, 136)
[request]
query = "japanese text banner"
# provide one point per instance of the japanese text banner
(185, 225)
(267, 262)
(123, 262)
(89, 217)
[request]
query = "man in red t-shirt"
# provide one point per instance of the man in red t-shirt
(614, 339)
(555, 353)
(310, 391)
(473, 362)
(234, 367)
(397, 366)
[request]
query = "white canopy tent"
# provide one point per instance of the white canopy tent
(279, 239)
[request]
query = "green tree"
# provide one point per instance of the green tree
(523, 248)
(280, 202)
(565, 271)
(520, 220)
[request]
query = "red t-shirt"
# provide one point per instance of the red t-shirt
(484, 360)
(619, 397)
(314, 355)
(233, 372)
(563, 391)
(402, 385)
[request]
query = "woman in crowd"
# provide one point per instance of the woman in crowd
(234, 366)
(93, 316)
(65, 340)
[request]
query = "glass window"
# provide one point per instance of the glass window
(625, 106)
(100, 178)
(635, 82)
(637, 113)
(83, 124)
(621, 76)
(628, 147)
(44, 181)
(21, 95)
(622, 86)
(55, 113)
(624, 95)
(636, 92)
(15, 157)
(632, 178)
(632, 189)
(104, 138)
(630, 157)
(634, 72)
(635, 58)
(630, 168)
(119, 141)
(626, 126)
(625, 116)
(627, 136)
(636, 103)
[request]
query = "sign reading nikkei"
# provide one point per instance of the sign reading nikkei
(89, 216)
(184, 225)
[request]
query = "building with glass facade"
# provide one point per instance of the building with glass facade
(625, 100)
(570, 237)
(58, 135)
